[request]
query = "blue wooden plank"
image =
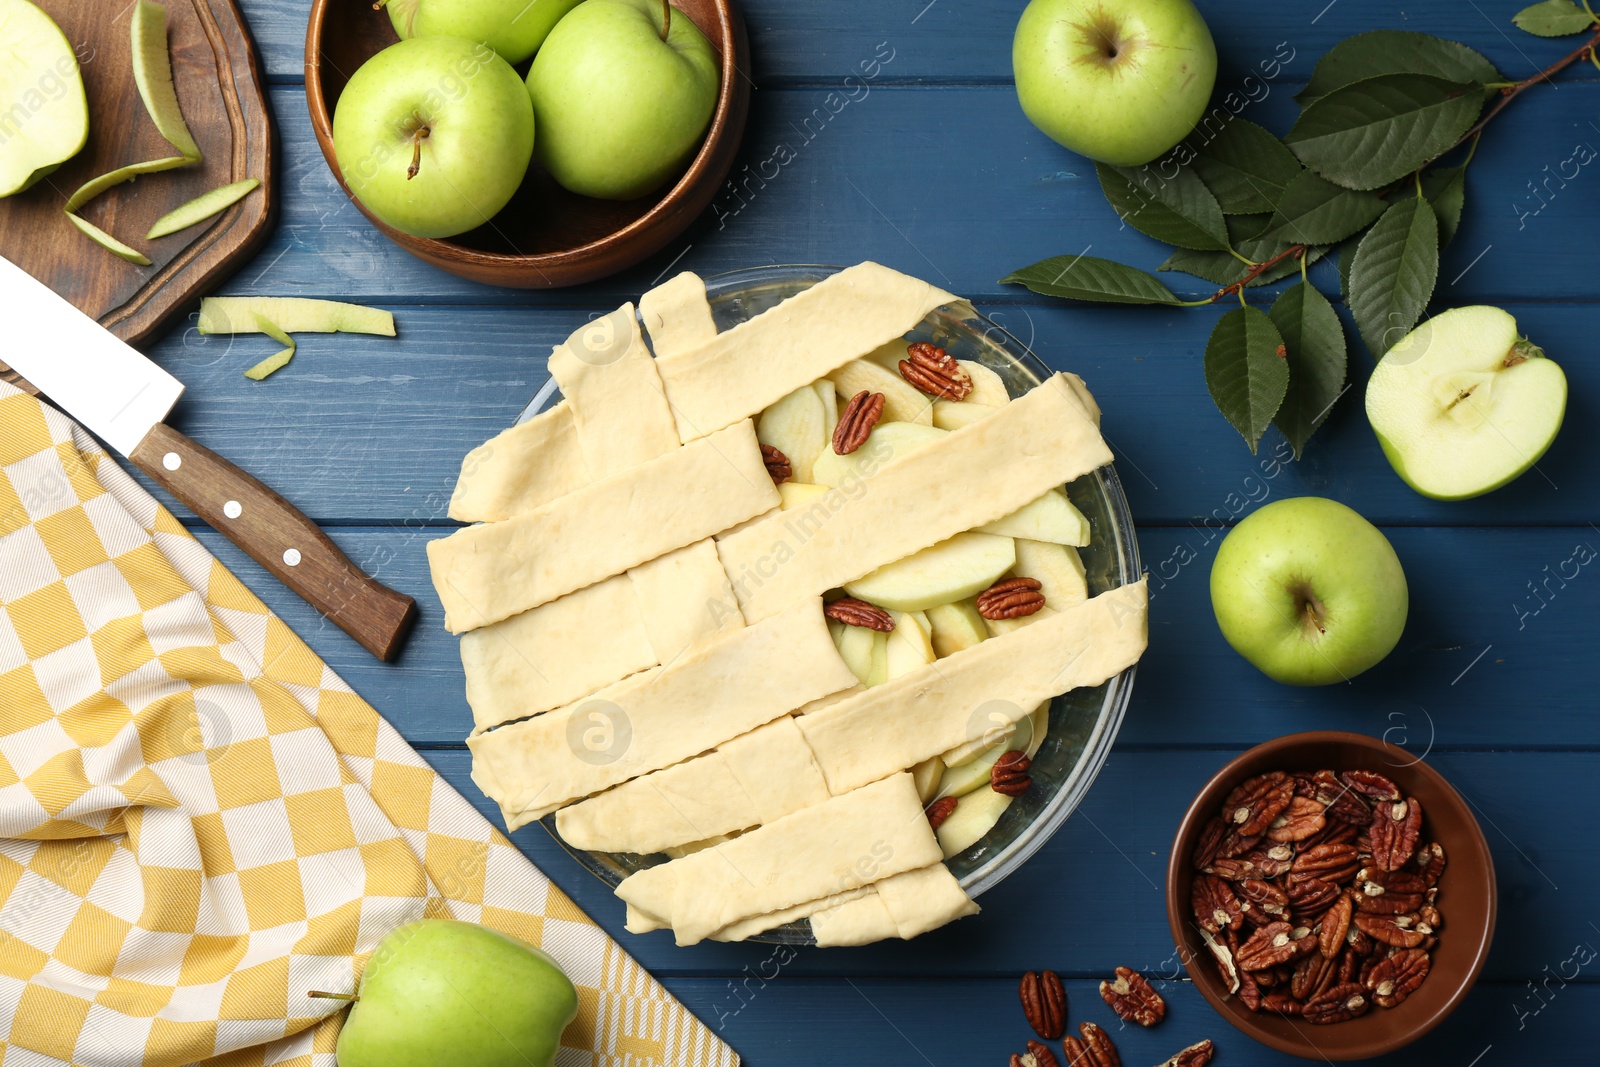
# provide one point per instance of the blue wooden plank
(372, 430)
(1482, 663)
(952, 184)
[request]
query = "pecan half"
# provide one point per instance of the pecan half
(1249, 991)
(1011, 598)
(1335, 925)
(855, 612)
(1077, 1055)
(1382, 892)
(1302, 818)
(1350, 965)
(1038, 1055)
(1222, 955)
(1233, 870)
(1335, 1005)
(1237, 844)
(1009, 775)
(856, 421)
(940, 810)
(1271, 945)
(1429, 915)
(1343, 803)
(1255, 802)
(1371, 784)
(778, 465)
(1333, 832)
(1430, 861)
(1389, 930)
(1214, 904)
(1311, 897)
(1196, 1055)
(1266, 896)
(1211, 837)
(1102, 1053)
(1133, 998)
(1044, 1002)
(1395, 828)
(1282, 1004)
(1396, 978)
(1331, 863)
(1313, 975)
(1272, 862)
(935, 372)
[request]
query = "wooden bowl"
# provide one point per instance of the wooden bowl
(547, 237)
(1467, 898)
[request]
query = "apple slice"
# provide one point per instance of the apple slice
(1001, 627)
(830, 405)
(901, 402)
(956, 626)
(42, 130)
(887, 443)
(1039, 719)
(925, 776)
(988, 388)
(910, 647)
(201, 208)
(799, 494)
(859, 648)
(797, 427)
(953, 414)
(1463, 404)
(964, 777)
(963, 566)
(241, 314)
(1058, 567)
(968, 751)
(108, 242)
(152, 73)
(1050, 518)
(975, 815)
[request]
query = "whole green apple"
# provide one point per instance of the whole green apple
(1119, 81)
(513, 28)
(434, 135)
(1465, 403)
(1309, 592)
(623, 91)
(439, 993)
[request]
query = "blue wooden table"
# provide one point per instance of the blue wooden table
(931, 168)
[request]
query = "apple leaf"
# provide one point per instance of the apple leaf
(1395, 269)
(1247, 371)
(1179, 209)
(1553, 18)
(1314, 340)
(1246, 168)
(1314, 211)
(1446, 190)
(1095, 280)
(1380, 52)
(1377, 131)
(1347, 256)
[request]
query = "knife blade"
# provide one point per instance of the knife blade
(124, 398)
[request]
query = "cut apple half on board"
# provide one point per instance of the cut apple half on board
(963, 566)
(41, 97)
(1464, 403)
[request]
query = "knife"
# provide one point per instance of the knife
(123, 398)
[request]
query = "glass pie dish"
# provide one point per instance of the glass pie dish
(1084, 722)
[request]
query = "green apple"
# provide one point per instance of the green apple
(44, 116)
(439, 993)
(1464, 404)
(623, 91)
(1119, 81)
(1309, 591)
(434, 135)
(513, 28)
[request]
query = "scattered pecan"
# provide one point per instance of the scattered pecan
(856, 421)
(1395, 828)
(1211, 838)
(1077, 1055)
(1396, 978)
(1269, 946)
(940, 810)
(1038, 1055)
(935, 372)
(1389, 929)
(1102, 1053)
(1214, 903)
(1196, 1055)
(1311, 897)
(1011, 598)
(1371, 784)
(1255, 802)
(1314, 974)
(1430, 861)
(1302, 818)
(1044, 1002)
(778, 465)
(1133, 998)
(1337, 1004)
(1335, 926)
(1009, 775)
(1331, 863)
(855, 612)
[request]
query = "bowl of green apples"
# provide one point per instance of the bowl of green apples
(529, 144)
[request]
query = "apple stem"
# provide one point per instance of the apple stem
(1511, 92)
(348, 998)
(416, 152)
(1255, 272)
(379, 5)
(1311, 616)
(666, 18)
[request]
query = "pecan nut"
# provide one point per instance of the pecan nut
(1311, 897)
(935, 372)
(1382, 892)
(940, 810)
(1097, 1043)
(1077, 1055)
(1222, 955)
(1343, 803)
(1133, 998)
(1196, 1055)
(1389, 930)
(778, 466)
(1300, 820)
(1336, 1005)
(856, 421)
(1009, 775)
(1255, 802)
(1208, 848)
(1038, 1055)
(1273, 944)
(1396, 978)
(1371, 784)
(1282, 1004)
(1335, 926)
(1314, 974)
(1237, 844)
(1265, 896)
(1249, 991)
(853, 612)
(1272, 862)
(1044, 1002)
(1214, 903)
(1011, 598)
(1234, 870)
(1430, 861)
(1394, 831)
(1330, 863)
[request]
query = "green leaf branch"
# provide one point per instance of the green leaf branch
(1360, 173)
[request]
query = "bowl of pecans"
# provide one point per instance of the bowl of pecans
(1333, 895)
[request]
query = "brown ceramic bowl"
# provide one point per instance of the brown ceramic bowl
(546, 237)
(1466, 898)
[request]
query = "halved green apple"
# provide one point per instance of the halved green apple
(44, 116)
(963, 566)
(1464, 403)
(988, 388)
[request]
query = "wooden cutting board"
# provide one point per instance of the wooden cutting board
(222, 90)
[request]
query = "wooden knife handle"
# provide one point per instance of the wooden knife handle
(277, 536)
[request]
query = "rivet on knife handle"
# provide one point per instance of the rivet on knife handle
(278, 537)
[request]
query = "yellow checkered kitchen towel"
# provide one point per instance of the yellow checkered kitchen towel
(200, 822)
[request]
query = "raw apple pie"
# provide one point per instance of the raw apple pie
(786, 603)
